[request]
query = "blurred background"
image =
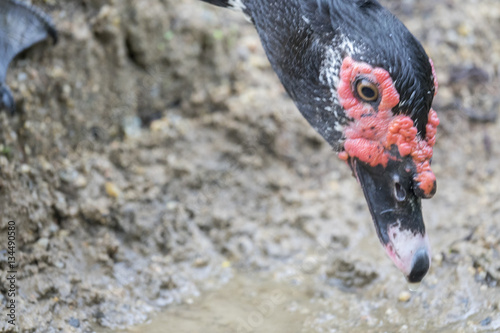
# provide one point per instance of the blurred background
(157, 170)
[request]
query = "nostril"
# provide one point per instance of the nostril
(420, 266)
(399, 192)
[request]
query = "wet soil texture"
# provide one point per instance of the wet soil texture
(155, 160)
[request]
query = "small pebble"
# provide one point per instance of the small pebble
(200, 262)
(22, 76)
(57, 72)
(171, 205)
(305, 311)
(66, 90)
(132, 126)
(309, 265)
(438, 259)
(112, 190)
(74, 322)
(404, 296)
(59, 264)
(486, 321)
(25, 168)
(80, 181)
(463, 30)
(160, 124)
(42, 243)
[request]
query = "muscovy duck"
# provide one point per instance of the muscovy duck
(366, 85)
(21, 26)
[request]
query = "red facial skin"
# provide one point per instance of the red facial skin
(371, 135)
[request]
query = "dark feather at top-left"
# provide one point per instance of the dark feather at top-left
(21, 26)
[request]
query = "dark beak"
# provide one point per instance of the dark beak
(397, 214)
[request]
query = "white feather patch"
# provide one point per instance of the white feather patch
(330, 71)
(237, 5)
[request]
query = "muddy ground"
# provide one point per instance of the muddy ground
(155, 160)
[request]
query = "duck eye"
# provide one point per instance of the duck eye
(367, 91)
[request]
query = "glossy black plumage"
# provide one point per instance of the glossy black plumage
(21, 26)
(298, 36)
(296, 53)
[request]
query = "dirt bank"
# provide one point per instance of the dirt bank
(154, 156)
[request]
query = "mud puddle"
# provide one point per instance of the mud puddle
(329, 290)
(249, 303)
(289, 302)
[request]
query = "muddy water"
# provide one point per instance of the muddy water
(247, 304)
(253, 302)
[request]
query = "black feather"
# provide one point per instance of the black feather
(220, 3)
(300, 35)
(21, 26)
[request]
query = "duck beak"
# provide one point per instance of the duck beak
(397, 214)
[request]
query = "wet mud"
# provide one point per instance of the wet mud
(158, 172)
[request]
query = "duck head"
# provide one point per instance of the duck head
(382, 84)
(366, 85)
